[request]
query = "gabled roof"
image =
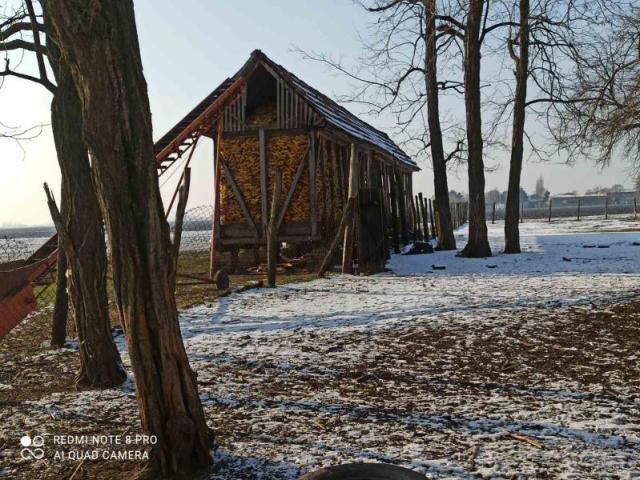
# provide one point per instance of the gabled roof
(335, 115)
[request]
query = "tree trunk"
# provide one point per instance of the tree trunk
(61, 306)
(478, 244)
(511, 219)
(100, 364)
(446, 239)
(99, 39)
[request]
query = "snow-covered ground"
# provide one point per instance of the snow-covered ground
(514, 365)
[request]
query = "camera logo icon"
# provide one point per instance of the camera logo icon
(32, 447)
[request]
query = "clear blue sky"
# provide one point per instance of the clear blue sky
(188, 48)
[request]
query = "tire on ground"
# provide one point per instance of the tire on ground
(364, 471)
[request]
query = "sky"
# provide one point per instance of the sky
(188, 48)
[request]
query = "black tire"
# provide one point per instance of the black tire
(364, 471)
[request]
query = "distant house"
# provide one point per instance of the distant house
(535, 201)
(623, 197)
(571, 200)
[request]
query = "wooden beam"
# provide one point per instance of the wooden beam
(263, 178)
(239, 196)
(313, 194)
(292, 189)
(347, 248)
(272, 232)
(215, 223)
(201, 119)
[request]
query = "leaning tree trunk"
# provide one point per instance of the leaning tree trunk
(446, 239)
(117, 129)
(478, 244)
(61, 305)
(100, 364)
(512, 215)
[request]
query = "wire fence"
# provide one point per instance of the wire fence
(195, 244)
(550, 211)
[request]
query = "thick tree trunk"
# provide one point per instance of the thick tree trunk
(61, 306)
(100, 364)
(478, 244)
(99, 39)
(512, 214)
(446, 239)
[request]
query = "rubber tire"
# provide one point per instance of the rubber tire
(364, 471)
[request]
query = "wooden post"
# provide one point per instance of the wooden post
(263, 180)
(215, 224)
(578, 209)
(347, 247)
(394, 213)
(312, 186)
(606, 208)
(272, 231)
(493, 213)
(347, 216)
(425, 217)
(433, 225)
(402, 207)
(414, 220)
(550, 205)
(635, 208)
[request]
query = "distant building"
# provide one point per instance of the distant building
(535, 201)
(623, 197)
(571, 200)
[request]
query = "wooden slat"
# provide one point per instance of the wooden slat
(238, 193)
(294, 183)
(263, 178)
(313, 194)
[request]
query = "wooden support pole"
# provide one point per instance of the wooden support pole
(433, 224)
(272, 231)
(425, 218)
(347, 216)
(402, 207)
(414, 218)
(215, 224)
(349, 231)
(264, 202)
(181, 181)
(606, 208)
(493, 213)
(179, 220)
(312, 185)
(394, 213)
(578, 209)
(635, 208)
(550, 206)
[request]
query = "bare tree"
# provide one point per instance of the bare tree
(521, 60)
(599, 112)
(80, 225)
(399, 73)
(117, 128)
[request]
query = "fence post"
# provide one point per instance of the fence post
(493, 213)
(606, 208)
(433, 224)
(578, 209)
(550, 204)
(272, 231)
(635, 208)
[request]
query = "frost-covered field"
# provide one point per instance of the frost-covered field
(491, 368)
